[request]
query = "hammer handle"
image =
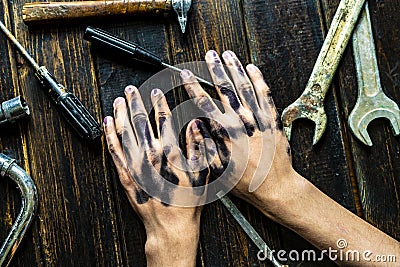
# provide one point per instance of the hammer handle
(47, 12)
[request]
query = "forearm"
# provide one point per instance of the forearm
(323, 222)
(171, 248)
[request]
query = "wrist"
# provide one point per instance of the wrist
(172, 247)
(278, 195)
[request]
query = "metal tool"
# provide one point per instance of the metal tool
(50, 12)
(310, 105)
(28, 191)
(372, 102)
(128, 49)
(13, 110)
(68, 104)
(246, 226)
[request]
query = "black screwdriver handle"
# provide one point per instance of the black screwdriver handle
(70, 106)
(124, 48)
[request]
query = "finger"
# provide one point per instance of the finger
(243, 85)
(122, 125)
(263, 93)
(201, 147)
(117, 154)
(196, 154)
(197, 93)
(139, 118)
(224, 85)
(166, 132)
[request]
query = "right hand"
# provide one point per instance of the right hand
(268, 169)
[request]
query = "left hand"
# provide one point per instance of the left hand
(172, 232)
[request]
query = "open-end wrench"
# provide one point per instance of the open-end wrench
(310, 105)
(372, 102)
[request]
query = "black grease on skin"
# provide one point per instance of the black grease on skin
(205, 103)
(289, 151)
(161, 122)
(241, 71)
(231, 95)
(250, 127)
(279, 124)
(200, 180)
(141, 196)
(147, 134)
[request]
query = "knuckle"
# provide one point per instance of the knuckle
(225, 84)
(139, 118)
(163, 114)
(246, 87)
(205, 103)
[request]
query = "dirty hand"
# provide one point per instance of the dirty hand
(143, 161)
(282, 194)
(265, 154)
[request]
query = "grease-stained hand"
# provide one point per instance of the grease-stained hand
(172, 232)
(247, 98)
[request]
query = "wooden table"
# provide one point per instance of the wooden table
(84, 217)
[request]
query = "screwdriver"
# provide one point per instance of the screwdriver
(248, 228)
(69, 105)
(129, 49)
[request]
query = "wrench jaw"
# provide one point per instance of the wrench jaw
(299, 110)
(359, 123)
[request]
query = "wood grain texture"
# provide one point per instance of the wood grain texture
(12, 143)
(76, 222)
(114, 74)
(376, 168)
(218, 25)
(285, 38)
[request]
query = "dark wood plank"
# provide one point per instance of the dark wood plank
(218, 25)
(285, 38)
(13, 144)
(113, 75)
(377, 168)
(76, 224)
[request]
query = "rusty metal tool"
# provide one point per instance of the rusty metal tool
(28, 191)
(13, 109)
(128, 50)
(75, 113)
(248, 228)
(372, 102)
(310, 105)
(50, 12)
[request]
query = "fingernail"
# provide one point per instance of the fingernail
(228, 54)
(185, 74)
(195, 125)
(118, 101)
(156, 92)
(251, 68)
(194, 157)
(129, 89)
(105, 121)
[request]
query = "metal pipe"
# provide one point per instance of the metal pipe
(13, 109)
(28, 191)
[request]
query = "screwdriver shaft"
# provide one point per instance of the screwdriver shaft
(19, 46)
(246, 226)
(179, 70)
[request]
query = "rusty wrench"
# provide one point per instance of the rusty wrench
(372, 102)
(310, 105)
